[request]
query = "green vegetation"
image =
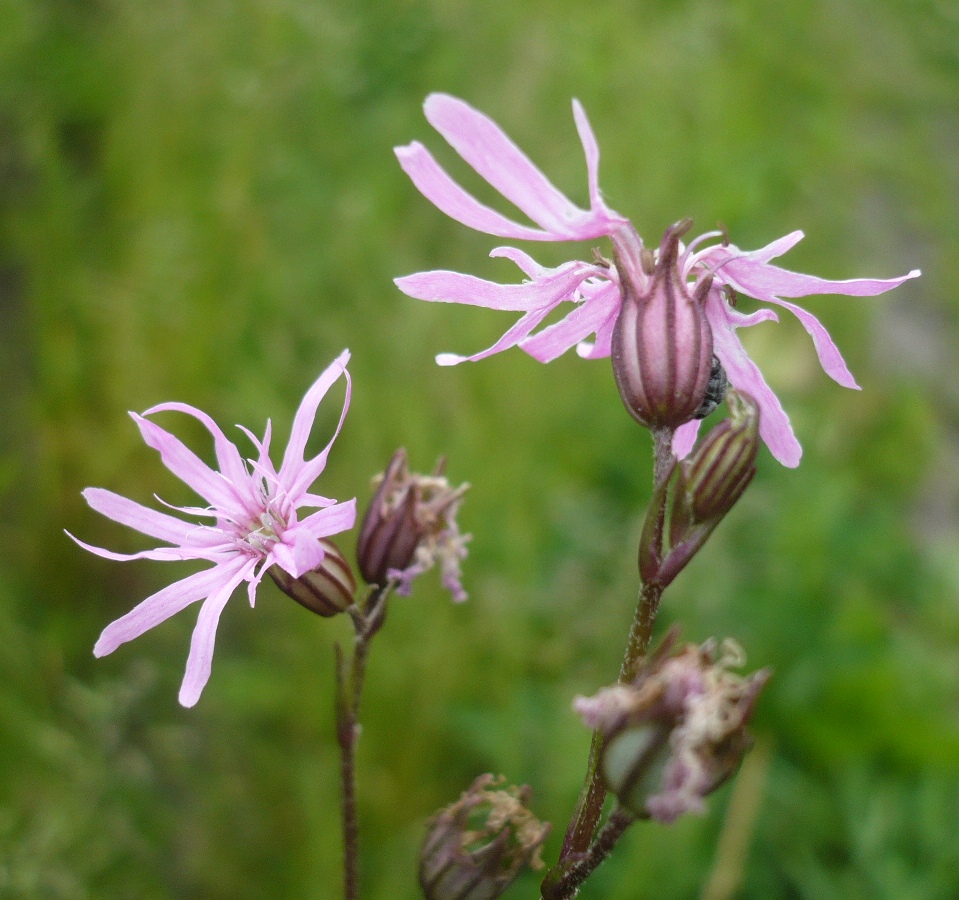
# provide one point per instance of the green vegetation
(199, 201)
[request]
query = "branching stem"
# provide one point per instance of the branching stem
(578, 845)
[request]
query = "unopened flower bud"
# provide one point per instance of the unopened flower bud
(677, 732)
(662, 346)
(326, 590)
(410, 526)
(713, 477)
(477, 847)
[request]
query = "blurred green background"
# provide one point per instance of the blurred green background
(199, 201)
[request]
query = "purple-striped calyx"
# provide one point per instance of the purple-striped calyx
(662, 346)
(327, 589)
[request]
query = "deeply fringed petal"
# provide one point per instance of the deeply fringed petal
(590, 316)
(485, 147)
(200, 660)
(549, 288)
(134, 515)
(432, 181)
(212, 486)
(774, 427)
(513, 336)
(297, 474)
(167, 602)
(231, 464)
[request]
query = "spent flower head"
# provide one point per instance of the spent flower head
(477, 847)
(678, 731)
(596, 289)
(254, 522)
(410, 526)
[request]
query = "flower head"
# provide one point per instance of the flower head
(596, 289)
(255, 523)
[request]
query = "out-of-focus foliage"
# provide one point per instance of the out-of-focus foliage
(199, 201)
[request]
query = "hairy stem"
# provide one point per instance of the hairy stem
(589, 806)
(349, 690)
(615, 827)
(663, 451)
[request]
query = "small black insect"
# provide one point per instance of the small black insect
(715, 390)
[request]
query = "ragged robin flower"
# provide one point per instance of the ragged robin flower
(254, 522)
(594, 288)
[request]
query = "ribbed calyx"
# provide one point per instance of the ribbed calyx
(713, 477)
(662, 346)
(326, 590)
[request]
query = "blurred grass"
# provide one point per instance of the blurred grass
(199, 202)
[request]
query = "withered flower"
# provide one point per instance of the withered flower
(477, 847)
(410, 526)
(678, 731)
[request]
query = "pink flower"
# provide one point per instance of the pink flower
(497, 159)
(254, 507)
(594, 288)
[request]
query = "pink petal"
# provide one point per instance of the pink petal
(167, 602)
(142, 518)
(602, 347)
(227, 455)
(482, 143)
(774, 427)
(296, 474)
(314, 500)
(829, 356)
(586, 319)
(213, 553)
(776, 248)
(300, 550)
(744, 320)
(767, 282)
(684, 438)
(200, 660)
(513, 335)
(297, 553)
(446, 195)
(189, 468)
(527, 265)
(591, 151)
(454, 287)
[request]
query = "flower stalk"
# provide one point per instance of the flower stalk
(350, 675)
(589, 807)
